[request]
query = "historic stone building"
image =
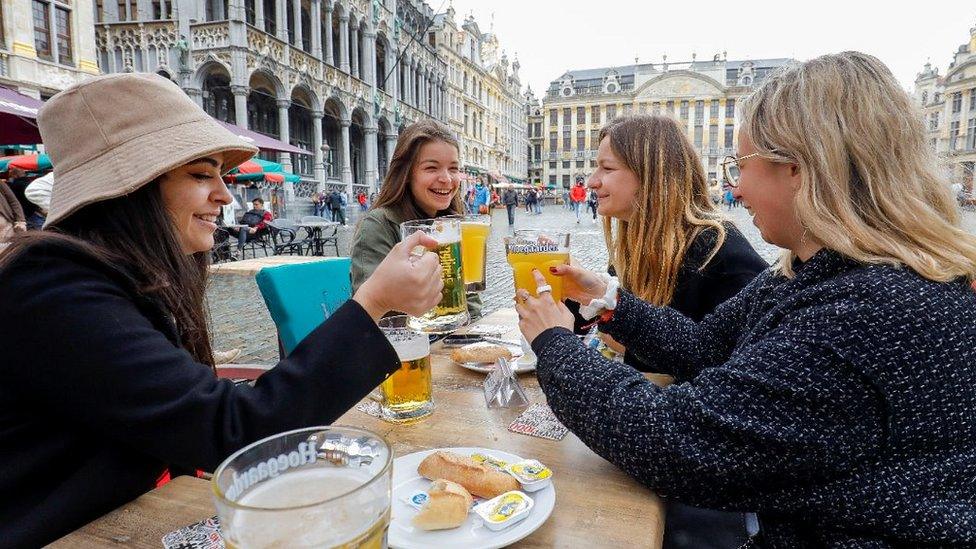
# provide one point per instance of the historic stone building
(309, 72)
(535, 117)
(948, 104)
(702, 95)
(485, 106)
(46, 45)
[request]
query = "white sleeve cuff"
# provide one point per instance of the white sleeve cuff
(606, 303)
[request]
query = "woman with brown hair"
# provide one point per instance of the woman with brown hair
(108, 375)
(669, 246)
(422, 183)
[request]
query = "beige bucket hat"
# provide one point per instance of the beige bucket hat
(110, 135)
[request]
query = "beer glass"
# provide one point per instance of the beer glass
(311, 487)
(452, 311)
(475, 230)
(405, 396)
(534, 249)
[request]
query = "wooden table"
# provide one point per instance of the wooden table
(597, 505)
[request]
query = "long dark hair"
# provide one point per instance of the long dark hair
(395, 193)
(135, 233)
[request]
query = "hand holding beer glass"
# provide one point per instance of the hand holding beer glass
(452, 311)
(405, 396)
(536, 249)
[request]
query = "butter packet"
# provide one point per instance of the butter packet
(491, 461)
(505, 510)
(531, 474)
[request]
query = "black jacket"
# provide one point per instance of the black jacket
(98, 397)
(838, 404)
(700, 290)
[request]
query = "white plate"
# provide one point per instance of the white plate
(470, 535)
(523, 364)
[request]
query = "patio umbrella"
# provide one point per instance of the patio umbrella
(18, 118)
(26, 162)
(258, 169)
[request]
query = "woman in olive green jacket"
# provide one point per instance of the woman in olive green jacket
(422, 183)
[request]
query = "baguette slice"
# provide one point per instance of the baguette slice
(480, 480)
(447, 506)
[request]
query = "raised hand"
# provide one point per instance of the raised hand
(538, 314)
(408, 280)
(579, 284)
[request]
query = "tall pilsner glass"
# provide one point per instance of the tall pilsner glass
(475, 230)
(532, 249)
(313, 487)
(406, 395)
(452, 311)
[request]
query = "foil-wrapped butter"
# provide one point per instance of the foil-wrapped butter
(532, 474)
(504, 510)
(491, 461)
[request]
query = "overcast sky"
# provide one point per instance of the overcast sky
(553, 36)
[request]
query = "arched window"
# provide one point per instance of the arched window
(262, 112)
(218, 100)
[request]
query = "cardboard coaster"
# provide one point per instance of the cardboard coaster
(199, 535)
(539, 421)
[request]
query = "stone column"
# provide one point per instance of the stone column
(297, 22)
(284, 134)
(391, 141)
(329, 54)
(372, 172)
(393, 82)
(196, 94)
(344, 43)
(240, 105)
(405, 71)
(346, 155)
(317, 149)
(316, 22)
(354, 50)
(281, 18)
(369, 63)
(259, 14)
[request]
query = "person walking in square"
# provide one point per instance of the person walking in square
(577, 196)
(510, 199)
(337, 202)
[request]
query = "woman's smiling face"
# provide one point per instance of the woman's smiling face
(615, 184)
(192, 195)
(435, 177)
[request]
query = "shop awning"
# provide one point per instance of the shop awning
(262, 141)
(18, 118)
(258, 169)
(26, 162)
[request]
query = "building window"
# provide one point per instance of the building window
(62, 18)
(713, 109)
(728, 137)
(670, 107)
(567, 138)
(957, 102)
(566, 181)
(595, 139)
(3, 42)
(565, 164)
(553, 141)
(538, 152)
(972, 99)
(595, 114)
(553, 117)
(538, 129)
(592, 163)
(933, 121)
(971, 135)
(953, 134)
(566, 116)
(579, 164)
(698, 136)
(699, 109)
(552, 166)
(42, 30)
(580, 140)
(730, 108)
(552, 181)
(713, 136)
(684, 110)
(656, 108)
(628, 108)
(611, 112)
(581, 115)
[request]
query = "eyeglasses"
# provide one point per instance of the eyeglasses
(730, 167)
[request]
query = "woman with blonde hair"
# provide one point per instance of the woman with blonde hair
(669, 246)
(422, 183)
(834, 394)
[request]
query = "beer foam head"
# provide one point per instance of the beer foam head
(412, 348)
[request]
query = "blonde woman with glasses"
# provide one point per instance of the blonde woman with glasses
(833, 395)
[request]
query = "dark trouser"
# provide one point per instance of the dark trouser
(692, 527)
(511, 213)
(339, 214)
(244, 235)
(36, 221)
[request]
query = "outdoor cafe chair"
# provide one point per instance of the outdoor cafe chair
(223, 249)
(285, 239)
(259, 241)
(322, 237)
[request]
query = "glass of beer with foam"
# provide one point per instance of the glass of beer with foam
(312, 487)
(452, 311)
(535, 249)
(475, 230)
(405, 396)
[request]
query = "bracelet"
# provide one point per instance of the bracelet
(607, 303)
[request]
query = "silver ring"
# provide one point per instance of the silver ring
(543, 288)
(417, 252)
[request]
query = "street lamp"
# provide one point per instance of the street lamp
(326, 163)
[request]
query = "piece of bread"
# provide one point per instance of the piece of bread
(447, 506)
(480, 480)
(481, 352)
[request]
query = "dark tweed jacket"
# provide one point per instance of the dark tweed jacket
(839, 405)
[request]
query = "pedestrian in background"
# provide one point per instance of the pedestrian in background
(362, 201)
(337, 202)
(591, 203)
(510, 199)
(11, 214)
(577, 196)
(38, 192)
(318, 204)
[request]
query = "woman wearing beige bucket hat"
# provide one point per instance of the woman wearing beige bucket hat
(107, 378)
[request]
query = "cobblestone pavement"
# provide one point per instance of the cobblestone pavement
(240, 318)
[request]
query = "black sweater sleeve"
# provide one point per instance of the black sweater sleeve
(98, 361)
